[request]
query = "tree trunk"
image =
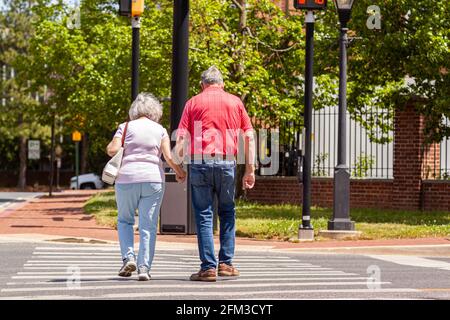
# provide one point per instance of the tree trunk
(84, 153)
(22, 157)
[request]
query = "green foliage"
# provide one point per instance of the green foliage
(319, 164)
(413, 42)
(17, 104)
(363, 165)
(281, 221)
(87, 70)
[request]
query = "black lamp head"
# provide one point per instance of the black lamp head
(344, 9)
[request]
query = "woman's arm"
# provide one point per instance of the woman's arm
(165, 148)
(114, 146)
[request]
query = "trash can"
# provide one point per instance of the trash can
(177, 215)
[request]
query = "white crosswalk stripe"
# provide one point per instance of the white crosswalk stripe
(49, 274)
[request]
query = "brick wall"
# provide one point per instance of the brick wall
(414, 160)
(436, 195)
(363, 193)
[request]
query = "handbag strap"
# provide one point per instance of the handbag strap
(124, 133)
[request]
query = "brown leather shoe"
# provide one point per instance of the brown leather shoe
(226, 270)
(204, 275)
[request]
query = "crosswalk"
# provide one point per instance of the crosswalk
(90, 272)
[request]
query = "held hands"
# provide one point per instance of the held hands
(248, 180)
(181, 176)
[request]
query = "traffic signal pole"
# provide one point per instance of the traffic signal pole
(180, 54)
(136, 26)
(306, 231)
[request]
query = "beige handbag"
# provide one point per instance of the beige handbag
(111, 170)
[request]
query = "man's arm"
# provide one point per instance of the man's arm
(248, 181)
(183, 135)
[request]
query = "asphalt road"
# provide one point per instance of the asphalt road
(81, 271)
(10, 198)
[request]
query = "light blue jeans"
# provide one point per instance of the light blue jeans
(146, 197)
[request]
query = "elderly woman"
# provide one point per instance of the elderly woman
(140, 183)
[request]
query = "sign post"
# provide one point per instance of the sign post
(306, 231)
(76, 137)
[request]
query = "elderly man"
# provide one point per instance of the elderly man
(211, 124)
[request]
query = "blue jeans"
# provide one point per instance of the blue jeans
(146, 197)
(206, 179)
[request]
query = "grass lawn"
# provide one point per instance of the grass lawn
(282, 221)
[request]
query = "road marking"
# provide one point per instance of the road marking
(167, 270)
(193, 286)
(277, 280)
(66, 297)
(89, 247)
(116, 264)
(186, 274)
(156, 268)
(413, 261)
(218, 294)
(117, 254)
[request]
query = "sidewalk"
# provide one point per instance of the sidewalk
(62, 218)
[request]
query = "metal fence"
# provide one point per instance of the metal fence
(439, 165)
(369, 143)
(445, 157)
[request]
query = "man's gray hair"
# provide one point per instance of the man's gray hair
(212, 76)
(146, 105)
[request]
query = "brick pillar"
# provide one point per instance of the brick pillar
(432, 161)
(412, 157)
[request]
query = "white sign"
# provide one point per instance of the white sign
(34, 149)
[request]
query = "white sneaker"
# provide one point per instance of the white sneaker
(143, 274)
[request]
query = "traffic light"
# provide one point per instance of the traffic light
(125, 7)
(310, 4)
(133, 8)
(137, 8)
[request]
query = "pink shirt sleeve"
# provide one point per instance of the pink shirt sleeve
(119, 131)
(164, 133)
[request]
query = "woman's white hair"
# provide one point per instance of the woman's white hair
(146, 105)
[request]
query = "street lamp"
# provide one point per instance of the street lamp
(341, 217)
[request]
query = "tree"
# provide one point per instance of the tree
(16, 30)
(413, 43)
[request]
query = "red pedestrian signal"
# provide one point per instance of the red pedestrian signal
(310, 4)
(125, 7)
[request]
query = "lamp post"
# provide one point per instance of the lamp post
(341, 217)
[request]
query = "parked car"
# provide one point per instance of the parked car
(86, 181)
